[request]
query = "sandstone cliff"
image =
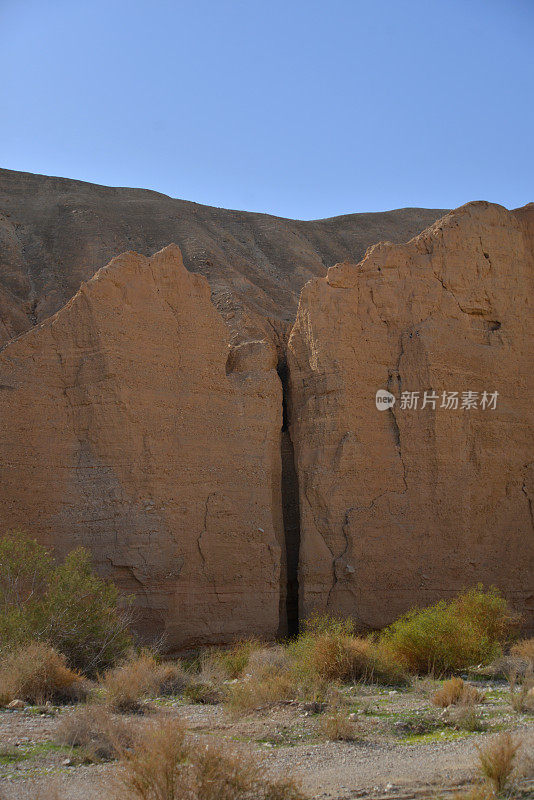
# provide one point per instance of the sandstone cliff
(402, 507)
(145, 418)
(130, 427)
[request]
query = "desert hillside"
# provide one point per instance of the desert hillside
(56, 233)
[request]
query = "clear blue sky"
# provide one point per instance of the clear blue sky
(301, 108)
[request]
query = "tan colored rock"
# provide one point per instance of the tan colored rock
(402, 507)
(126, 429)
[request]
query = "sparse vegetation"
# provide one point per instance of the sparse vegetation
(448, 637)
(327, 651)
(270, 680)
(465, 717)
(524, 649)
(36, 673)
(141, 677)
(522, 691)
(321, 686)
(482, 792)
(65, 605)
(498, 759)
(197, 691)
(336, 724)
(455, 691)
(97, 734)
(164, 765)
(338, 727)
(234, 660)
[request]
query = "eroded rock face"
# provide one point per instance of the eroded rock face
(126, 429)
(403, 507)
(138, 423)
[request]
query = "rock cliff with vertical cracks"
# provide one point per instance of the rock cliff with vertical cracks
(235, 482)
(403, 506)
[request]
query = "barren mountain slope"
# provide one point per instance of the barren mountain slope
(56, 233)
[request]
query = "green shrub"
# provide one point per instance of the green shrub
(234, 660)
(448, 637)
(25, 568)
(66, 605)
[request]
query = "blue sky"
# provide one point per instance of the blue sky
(298, 108)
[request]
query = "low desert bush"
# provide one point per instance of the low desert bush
(36, 673)
(455, 691)
(448, 637)
(271, 658)
(337, 726)
(165, 765)
(260, 690)
(203, 693)
(234, 660)
(270, 679)
(65, 605)
(141, 677)
(328, 651)
(335, 723)
(498, 760)
(524, 649)
(419, 723)
(522, 691)
(465, 717)
(99, 735)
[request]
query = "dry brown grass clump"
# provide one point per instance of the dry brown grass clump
(498, 760)
(198, 691)
(260, 691)
(456, 692)
(165, 765)
(340, 658)
(269, 680)
(482, 792)
(36, 673)
(524, 649)
(522, 691)
(329, 652)
(140, 678)
(337, 726)
(99, 735)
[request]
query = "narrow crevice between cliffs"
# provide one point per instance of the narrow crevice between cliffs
(290, 510)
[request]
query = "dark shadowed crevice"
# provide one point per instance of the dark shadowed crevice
(291, 511)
